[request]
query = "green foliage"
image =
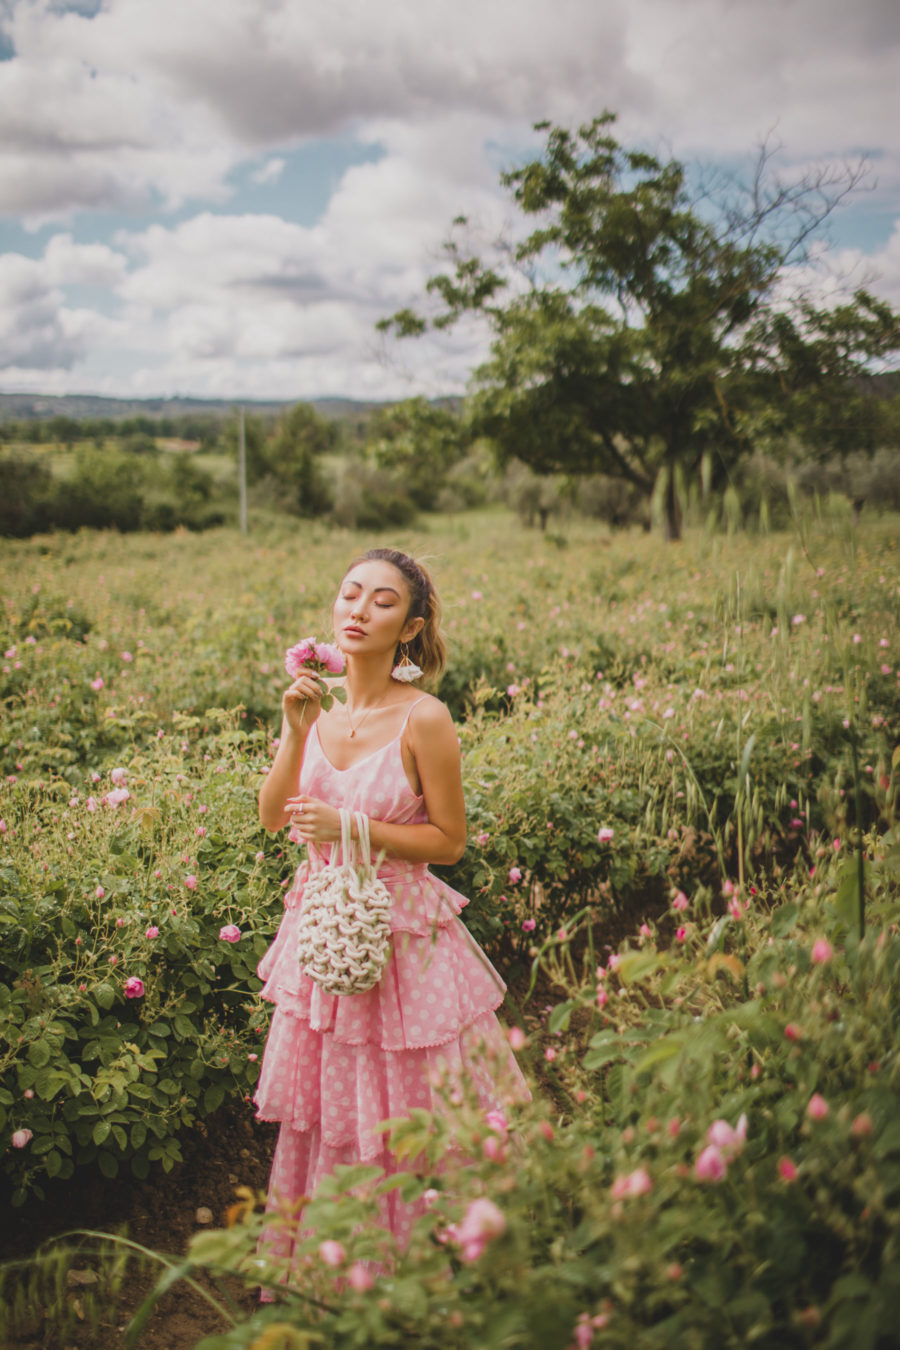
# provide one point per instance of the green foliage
(678, 701)
(721, 1166)
(420, 443)
(653, 329)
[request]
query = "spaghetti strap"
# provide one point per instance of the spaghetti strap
(408, 714)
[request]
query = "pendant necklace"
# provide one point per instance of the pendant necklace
(370, 709)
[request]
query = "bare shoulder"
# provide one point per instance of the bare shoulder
(429, 716)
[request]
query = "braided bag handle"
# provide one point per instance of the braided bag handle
(344, 929)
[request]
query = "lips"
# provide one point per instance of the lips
(354, 631)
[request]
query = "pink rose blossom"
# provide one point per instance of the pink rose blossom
(710, 1166)
(97, 684)
(787, 1169)
(20, 1138)
(681, 901)
(360, 1278)
(190, 882)
(152, 932)
(602, 997)
(515, 876)
(118, 776)
(117, 797)
(230, 933)
(99, 892)
(728, 1141)
(481, 1224)
(529, 925)
(91, 803)
(331, 1252)
(481, 839)
(793, 1032)
(636, 1183)
(818, 1108)
(822, 951)
(862, 1126)
(680, 934)
(316, 655)
(517, 1038)
(605, 834)
(134, 988)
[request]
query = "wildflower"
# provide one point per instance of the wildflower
(21, 1137)
(190, 882)
(681, 901)
(515, 876)
(710, 1166)
(331, 1252)
(822, 951)
(317, 656)
(152, 932)
(787, 1170)
(230, 933)
(481, 1224)
(134, 988)
(728, 1141)
(817, 1108)
(605, 834)
(360, 1278)
(636, 1183)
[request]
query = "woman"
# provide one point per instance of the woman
(336, 1066)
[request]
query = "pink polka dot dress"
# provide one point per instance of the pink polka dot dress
(336, 1066)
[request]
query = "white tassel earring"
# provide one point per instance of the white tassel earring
(406, 670)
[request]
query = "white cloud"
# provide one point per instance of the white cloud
(142, 107)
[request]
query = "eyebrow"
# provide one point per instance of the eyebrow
(351, 581)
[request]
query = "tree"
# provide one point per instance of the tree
(418, 442)
(294, 456)
(647, 321)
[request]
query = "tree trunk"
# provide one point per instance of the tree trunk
(671, 506)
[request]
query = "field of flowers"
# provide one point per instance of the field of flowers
(681, 770)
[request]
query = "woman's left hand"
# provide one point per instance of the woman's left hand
(316, 822)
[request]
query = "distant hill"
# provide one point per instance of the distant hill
(21, 407)
(37, 407)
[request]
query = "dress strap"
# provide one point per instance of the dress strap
(409, 713)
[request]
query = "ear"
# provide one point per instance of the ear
(412, 629)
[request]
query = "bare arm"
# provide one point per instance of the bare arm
(301, 707)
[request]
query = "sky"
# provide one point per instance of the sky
(220, 198)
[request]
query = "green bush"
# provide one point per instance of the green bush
(714, 1161)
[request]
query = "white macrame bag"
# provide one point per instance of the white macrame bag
(344, 933)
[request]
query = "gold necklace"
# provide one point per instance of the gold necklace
(370, 709)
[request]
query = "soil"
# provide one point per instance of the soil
(229, 1149)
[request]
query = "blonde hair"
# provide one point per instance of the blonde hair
(427, 649)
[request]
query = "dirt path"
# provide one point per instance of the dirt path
(160, 1213)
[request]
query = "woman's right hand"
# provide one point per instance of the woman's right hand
(301, 702)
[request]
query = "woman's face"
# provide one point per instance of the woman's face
(370, 612)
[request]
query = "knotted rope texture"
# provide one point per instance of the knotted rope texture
(344, 931)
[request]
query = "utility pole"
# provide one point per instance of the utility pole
(242, 470)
